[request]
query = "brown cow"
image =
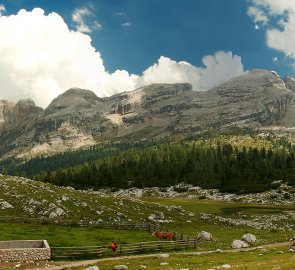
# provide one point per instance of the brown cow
(163, 235)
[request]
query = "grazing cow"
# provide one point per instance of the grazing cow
(163, 235)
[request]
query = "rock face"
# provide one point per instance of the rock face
(12, 115)
(79, 118)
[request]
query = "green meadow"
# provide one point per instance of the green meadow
(188, 225)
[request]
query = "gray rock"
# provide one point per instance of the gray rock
(239, 244)
(164, 255)
(57, 213)
(5, 205)
(204, 236)
(120, 267)
(249, 238)
(92, 268)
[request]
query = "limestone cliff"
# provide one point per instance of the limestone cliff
(79, 118)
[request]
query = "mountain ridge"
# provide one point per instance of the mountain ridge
(79, 118)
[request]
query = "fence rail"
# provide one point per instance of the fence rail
(109, 225)
(123, 249)
(104, 250)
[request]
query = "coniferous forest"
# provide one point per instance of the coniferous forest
(201, 162)
(225, 167)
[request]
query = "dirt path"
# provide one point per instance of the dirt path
(68, 265)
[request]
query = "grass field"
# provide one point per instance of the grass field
(58, 235)
(225, 234)
(271, 259)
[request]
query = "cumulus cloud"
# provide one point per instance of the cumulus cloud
(43, 58)
(281, 35)
(218, 69)
(79, 17)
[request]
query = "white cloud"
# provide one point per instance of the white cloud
(257, 15)
(126, 24)
(2, 9)
(43, 58)
(96, 25)
(80, 15)
(275, 7)
(218, 69)
(281, 35)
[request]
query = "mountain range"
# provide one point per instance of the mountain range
(79, 118)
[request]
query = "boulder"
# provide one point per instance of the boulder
(163, 255)
(5, 205)
(92, 268)
(239, 244)
(57, 213)
(204, 236)
(249, 238)
(120, 267)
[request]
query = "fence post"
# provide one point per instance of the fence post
(99, 251)
(158, 246)
(120, 249)
(140, 247)
(181, 237)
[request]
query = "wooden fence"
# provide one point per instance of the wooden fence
(123, 249)
(109, 225)
(104, 251)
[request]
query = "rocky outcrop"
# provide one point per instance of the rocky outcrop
(12, 115)
(79, 118)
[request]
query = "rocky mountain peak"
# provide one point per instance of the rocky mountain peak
(78, 92)
(72, 101)
(12, 115)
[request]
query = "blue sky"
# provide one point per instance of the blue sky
(184, 30)
(133, 35)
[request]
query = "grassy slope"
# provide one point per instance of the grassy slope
(137, 210)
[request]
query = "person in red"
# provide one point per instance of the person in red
(114, 247)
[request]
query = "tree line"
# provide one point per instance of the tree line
(224, 167)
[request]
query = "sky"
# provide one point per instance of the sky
(110, 46)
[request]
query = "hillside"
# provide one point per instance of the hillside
(21, 197)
